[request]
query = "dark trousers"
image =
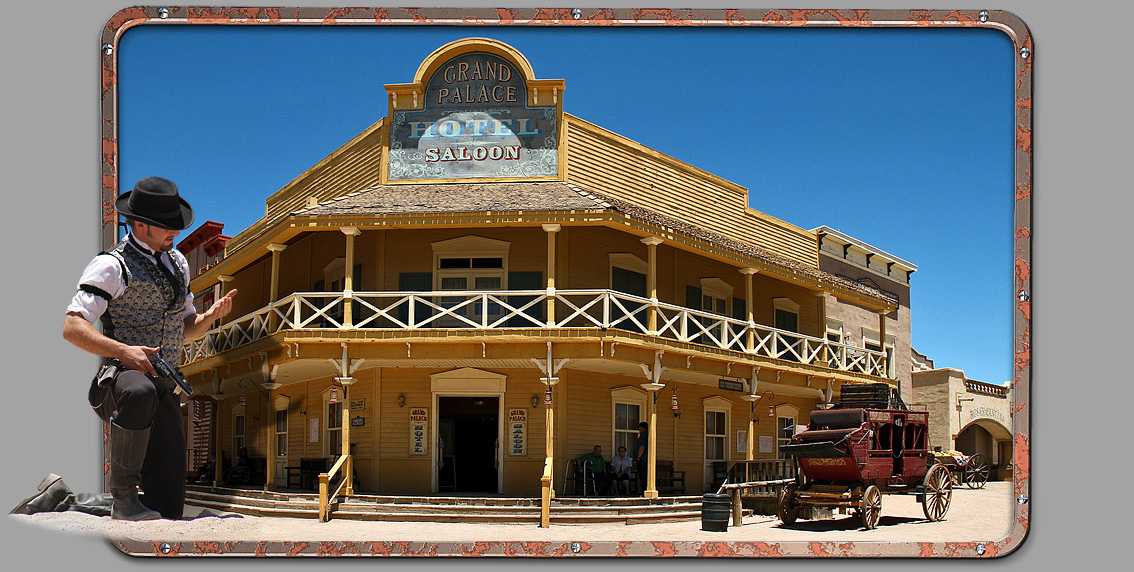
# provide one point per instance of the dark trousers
(640, 468)
(133, 402)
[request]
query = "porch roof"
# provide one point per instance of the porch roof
(550, 196)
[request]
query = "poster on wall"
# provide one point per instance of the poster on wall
(765, 444)
(419, 427)
(517, 432)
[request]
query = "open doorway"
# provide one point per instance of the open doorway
(468, 439)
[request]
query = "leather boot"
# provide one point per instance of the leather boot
(98, 504)
(127, 451)
(52, 492)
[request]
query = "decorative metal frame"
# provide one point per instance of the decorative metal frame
(478, 17)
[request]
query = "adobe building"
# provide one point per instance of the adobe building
(479, 287)
(968, 416)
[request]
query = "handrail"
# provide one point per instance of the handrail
(545, 495)
(324, 485)
(524, 309)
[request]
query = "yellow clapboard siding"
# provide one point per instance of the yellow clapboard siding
(607, 163)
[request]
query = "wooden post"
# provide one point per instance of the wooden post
(652, 286)
(274, 288)
(551, 229)
(270, 466)
(224, 288)
(653, 388)
(348, 276)
(750, 337)
(821, 298)
(737, 507)
(219, 454)
(882, 339)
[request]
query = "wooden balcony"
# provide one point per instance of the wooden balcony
(528, 309)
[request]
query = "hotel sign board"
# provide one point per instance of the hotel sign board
(476, 120)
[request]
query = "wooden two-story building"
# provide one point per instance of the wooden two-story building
(480, 286)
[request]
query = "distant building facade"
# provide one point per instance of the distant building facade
(967, 415)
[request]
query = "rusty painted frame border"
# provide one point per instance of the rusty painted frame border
(1021, 411)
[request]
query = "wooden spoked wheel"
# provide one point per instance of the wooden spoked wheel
(787, 509)
(871, 508)
(938, 493)
(976, 472)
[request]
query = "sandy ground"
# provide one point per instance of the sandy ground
(974, 516)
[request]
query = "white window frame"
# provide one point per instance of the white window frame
(470, 247)
(870, 336)
(716, 289)
(239, 439)
(328, 431)
(785, 411)
(715, 404)
(626, 395)
(280, 404)
(625, 261)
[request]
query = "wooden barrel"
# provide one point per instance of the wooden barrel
(716, 509)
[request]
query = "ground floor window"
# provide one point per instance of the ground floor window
(333, 425)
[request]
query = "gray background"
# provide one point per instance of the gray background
(51, 178)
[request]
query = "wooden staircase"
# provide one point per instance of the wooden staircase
(568, 510)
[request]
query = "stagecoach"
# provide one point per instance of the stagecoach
(868, 444)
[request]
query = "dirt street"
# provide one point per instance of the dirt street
(975, 516)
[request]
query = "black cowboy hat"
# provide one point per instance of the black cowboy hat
(155, 201)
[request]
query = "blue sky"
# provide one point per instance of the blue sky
(901, 138)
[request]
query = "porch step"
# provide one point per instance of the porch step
(569, 510)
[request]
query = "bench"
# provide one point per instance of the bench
(307, 473)
(669, 480)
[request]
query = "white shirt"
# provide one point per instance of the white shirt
(105, 273)
(621, 463)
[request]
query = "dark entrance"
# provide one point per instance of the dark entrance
(468, 430)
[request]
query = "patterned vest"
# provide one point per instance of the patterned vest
(150, 312)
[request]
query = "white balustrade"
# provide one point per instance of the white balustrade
(524, 309)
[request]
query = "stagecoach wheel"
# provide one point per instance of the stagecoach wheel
(787, 510)
(871, 508)
(938, 493)
(976, 472)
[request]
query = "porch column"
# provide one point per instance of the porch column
(551, 229)
(652, 285)
(346, 381)
(218, 456)
(821, 298)
(274, 288)
(882, 339)
(750, 337)
(224, 288)
(348, 275)
(653, 388)
(750, 449)
(270, 473)
(348, 466)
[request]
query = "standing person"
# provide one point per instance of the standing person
(139, 292)
(641, 454)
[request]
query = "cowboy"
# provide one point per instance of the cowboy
(139, 292)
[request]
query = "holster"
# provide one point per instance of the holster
(101, 385)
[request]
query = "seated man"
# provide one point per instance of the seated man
(596, 467)
(622, 465)
(240, 473)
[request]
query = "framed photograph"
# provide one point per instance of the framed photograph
(600, 215)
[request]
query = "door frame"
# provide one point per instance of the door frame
(466, 382)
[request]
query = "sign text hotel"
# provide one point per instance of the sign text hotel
(475, 123)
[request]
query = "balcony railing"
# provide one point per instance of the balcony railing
(503, 309)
